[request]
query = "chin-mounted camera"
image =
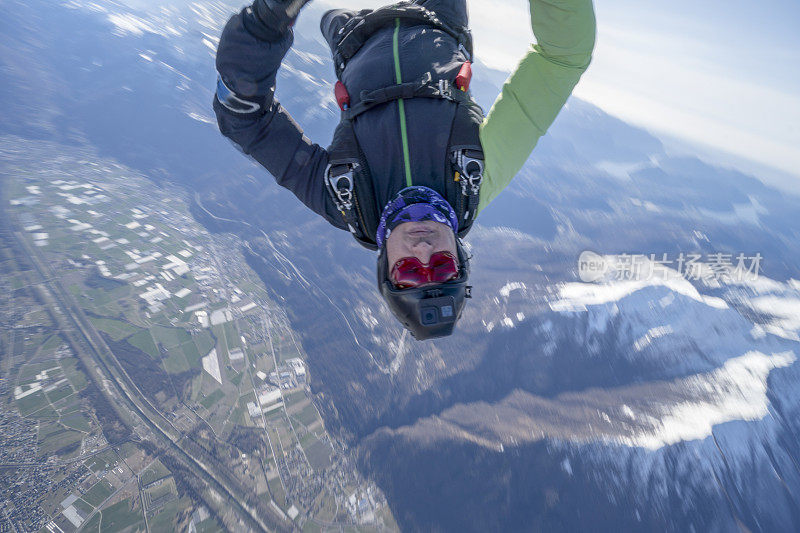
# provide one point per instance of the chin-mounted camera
(441, 310)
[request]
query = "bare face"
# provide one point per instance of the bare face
(420, 240)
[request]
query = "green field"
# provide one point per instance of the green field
(144, 341)
(318, 454)
(167, 486)
(153, 473)
(327, 511)
(17, 282)
(58, 440)
(192, 353)
(175, 361)
(115, 518)
(60, 393)
(274, 415)
(98, 493)
(170, 337)
(28, 372)
(276, 489)
(75, 376)
(307, 439)
(204, 342)
(32, 403)
(76, 421)
(244, 400)
(222, 348)
(127, 450)
(52, 343)
(307, 416)
(212, 399)
(240, 416)
(311, 527)
(237, 380)
(99, 298)
(103, 461)
(46, 413)
(164, 520)
(115, 329)
(294, 397)
(83, 506)
(232, 336)
(209, 525)
(72, 406)
(49, 429)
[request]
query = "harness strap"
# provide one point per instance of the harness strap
(340, 181)
(422, 88)
(468, 163)
(466, 158)
(349, 184)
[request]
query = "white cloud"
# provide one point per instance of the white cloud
(502, 32)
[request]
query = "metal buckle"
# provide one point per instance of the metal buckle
(475, 183)
(445, 89)
(342, 185)
(474, 176)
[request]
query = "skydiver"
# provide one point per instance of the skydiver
(413, 160)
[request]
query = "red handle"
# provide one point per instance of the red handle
(464, 76)
(342, 96)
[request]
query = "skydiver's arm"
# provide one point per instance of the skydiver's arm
(537, 90)
(248, 59)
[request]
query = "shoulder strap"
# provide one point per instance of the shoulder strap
(466, 158)
(349, 184)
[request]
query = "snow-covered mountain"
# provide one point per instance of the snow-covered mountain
(634, 404)
(683, 418)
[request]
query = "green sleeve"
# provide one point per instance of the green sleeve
(537, 90)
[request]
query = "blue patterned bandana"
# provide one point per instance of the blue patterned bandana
(415, 204)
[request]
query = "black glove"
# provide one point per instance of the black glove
(269, 20)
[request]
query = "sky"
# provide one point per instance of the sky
(724, 74)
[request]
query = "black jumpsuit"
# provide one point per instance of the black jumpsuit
(249, 67)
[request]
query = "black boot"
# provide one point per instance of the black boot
(271, 19)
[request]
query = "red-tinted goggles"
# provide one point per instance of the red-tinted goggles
(409, 272)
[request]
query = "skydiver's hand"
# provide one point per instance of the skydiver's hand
(269, 20)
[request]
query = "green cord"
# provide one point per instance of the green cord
(401, 104)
